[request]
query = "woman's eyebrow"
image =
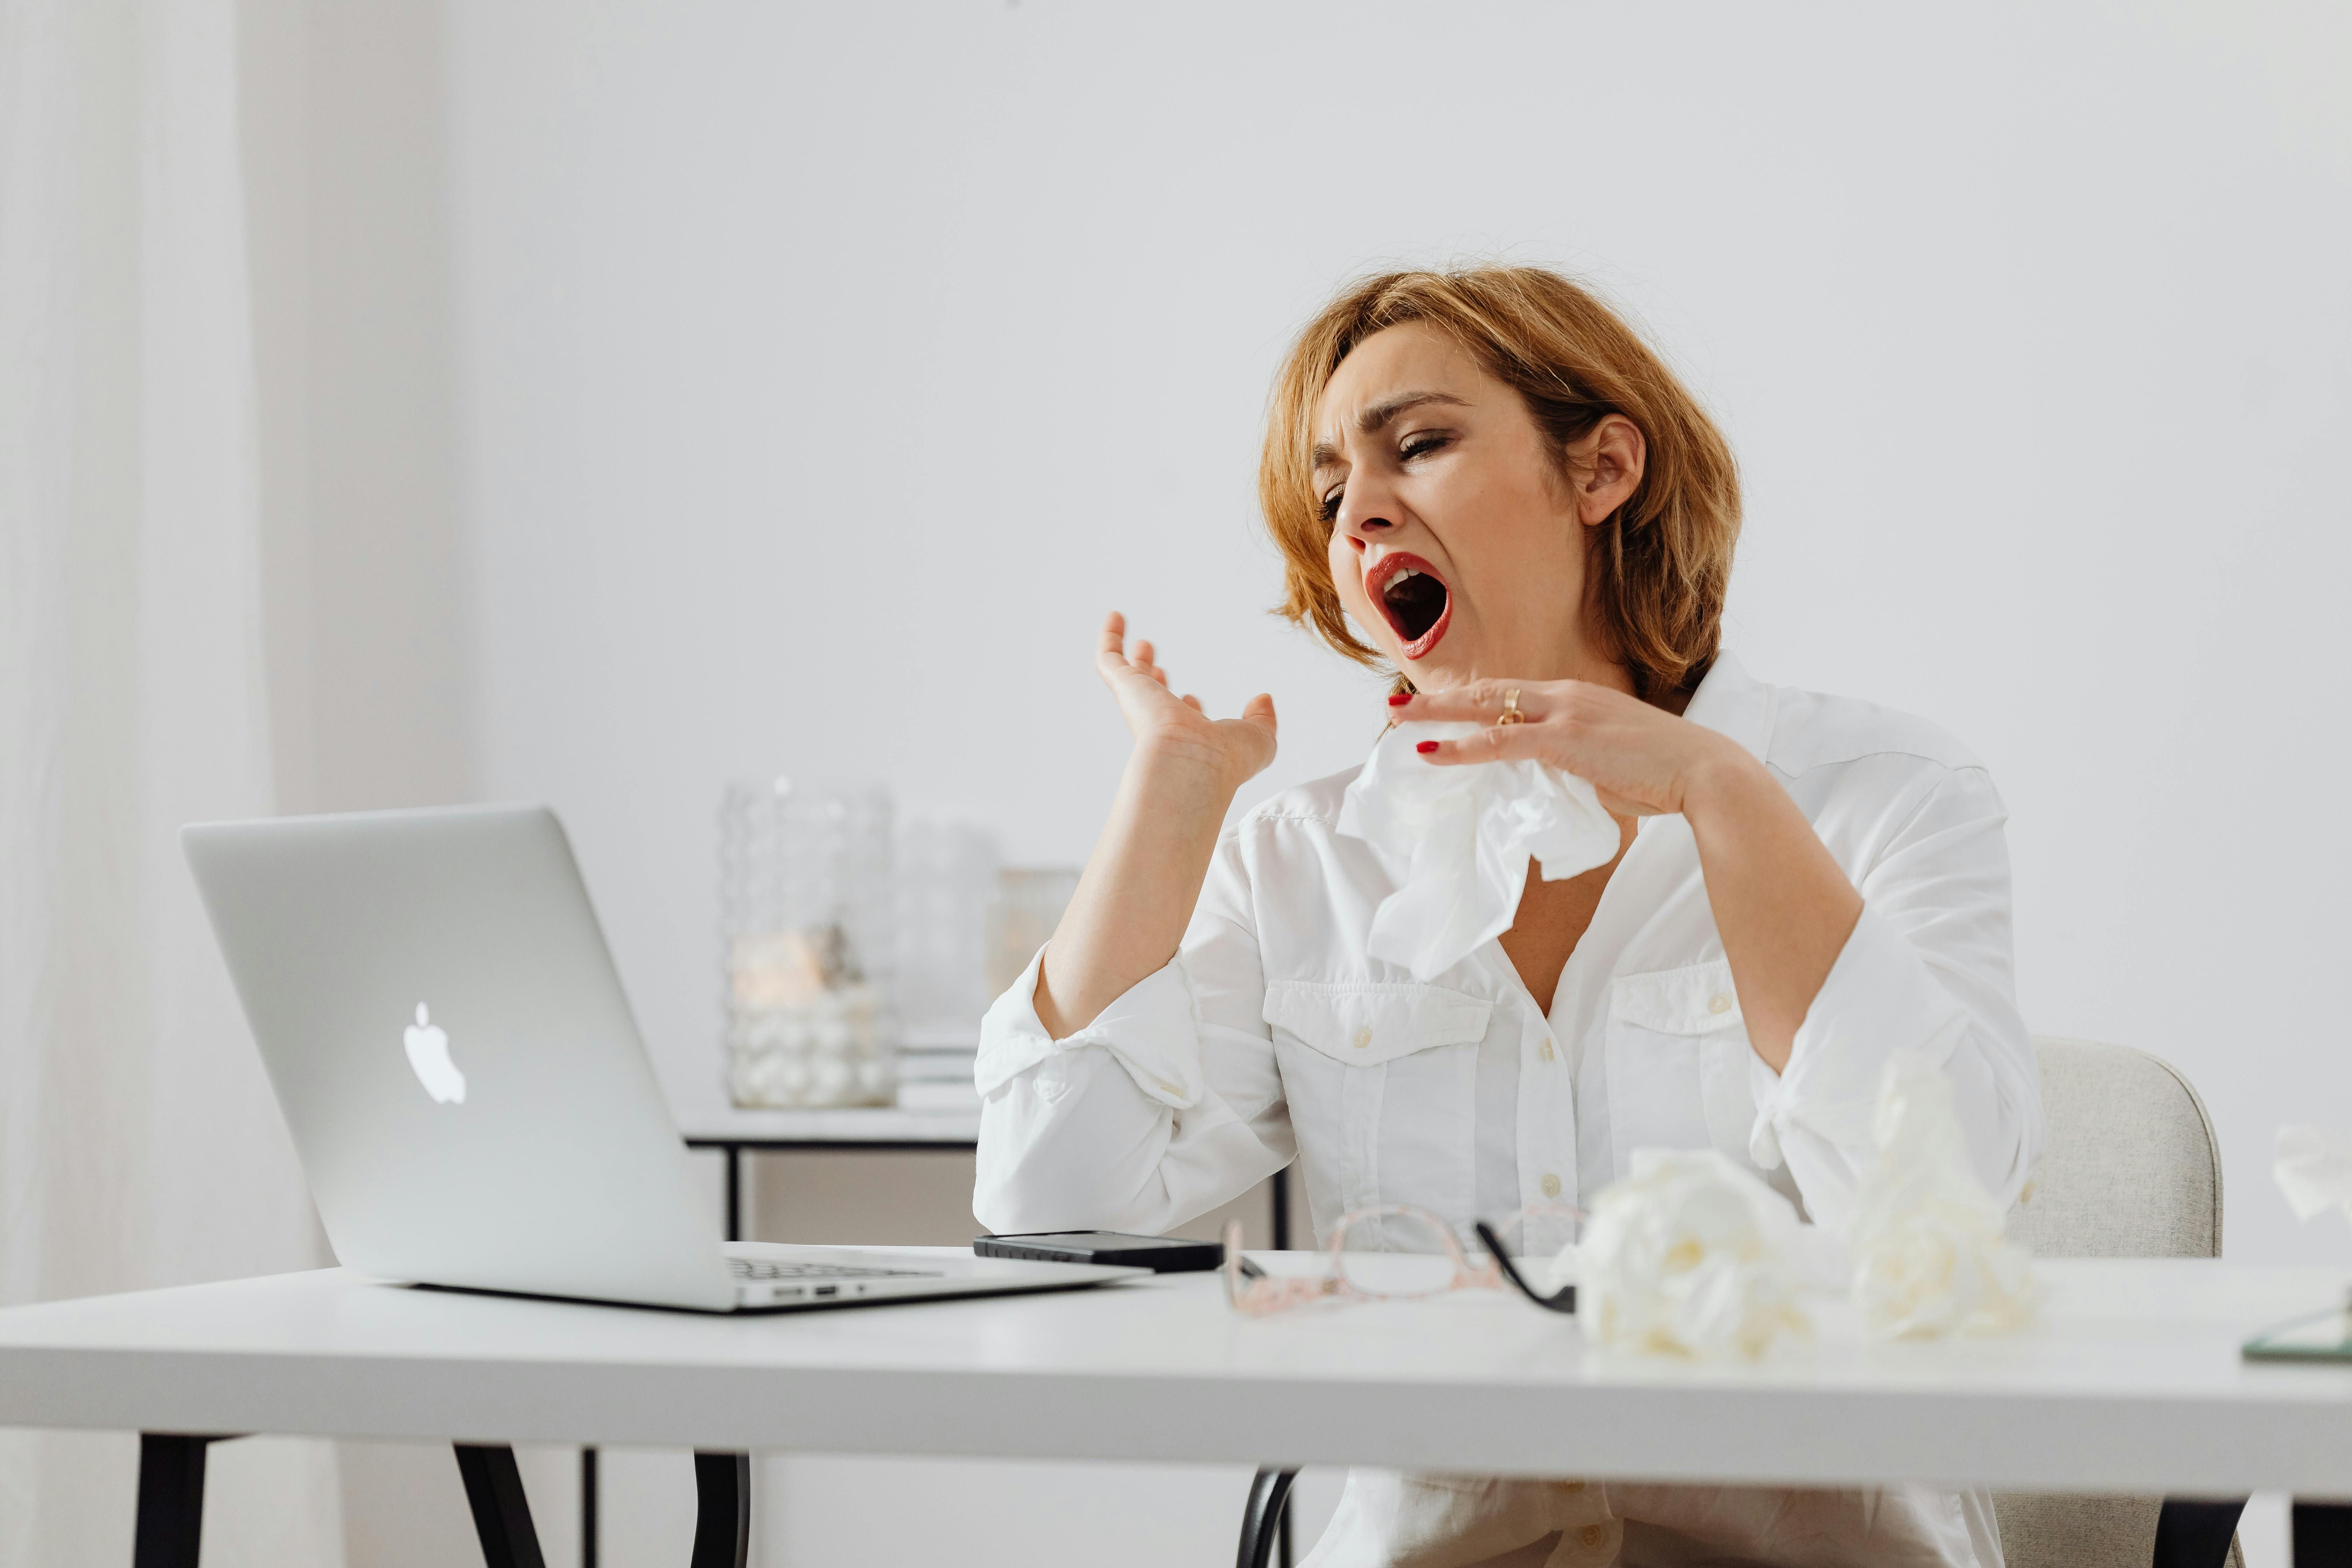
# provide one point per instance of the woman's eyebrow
(1379, 413)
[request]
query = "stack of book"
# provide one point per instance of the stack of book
(935, 1067)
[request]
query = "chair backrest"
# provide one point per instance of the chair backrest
(2131, 1170)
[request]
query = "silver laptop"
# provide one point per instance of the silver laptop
(465, 1083)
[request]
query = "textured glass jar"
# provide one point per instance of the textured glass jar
(807, 901)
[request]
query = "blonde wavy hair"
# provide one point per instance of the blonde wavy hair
(1660, 564)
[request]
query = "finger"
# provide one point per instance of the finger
(1259, 709)
(1144, 652)
(1114, 633)
(1495, 743)
(1478, 701)
(1193, 703)
(1156, 674)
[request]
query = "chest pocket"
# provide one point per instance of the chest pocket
(1678, 1056)
(1368, 1025)
(1340, 1048)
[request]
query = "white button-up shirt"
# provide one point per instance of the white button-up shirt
(1273, 1034)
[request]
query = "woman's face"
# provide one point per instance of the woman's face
(1458, 541)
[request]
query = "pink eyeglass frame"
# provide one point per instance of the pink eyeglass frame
(1257, 1294)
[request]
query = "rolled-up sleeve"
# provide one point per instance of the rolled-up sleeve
(1164, 1107)
(1929, 967)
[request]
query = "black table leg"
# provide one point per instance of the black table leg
(734, 1153)
(170, 1531)
(722, 1510)
(501, 1513)
(587, 1508)
(2323, 1535)
(2195, 1533)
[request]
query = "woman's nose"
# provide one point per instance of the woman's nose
(1366, 512)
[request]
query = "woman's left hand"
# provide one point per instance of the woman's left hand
(1644, 761)
(1782, 902)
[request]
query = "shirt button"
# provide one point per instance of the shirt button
(1719, 1003)
(1363, 1037)
(1545, 1050)
(1590, 1535)
(1550, 1185)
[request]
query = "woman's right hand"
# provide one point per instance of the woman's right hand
(1170, 730)
(1128, 914)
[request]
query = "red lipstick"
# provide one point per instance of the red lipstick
(1417, 603)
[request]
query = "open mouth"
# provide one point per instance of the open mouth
(1414, 598)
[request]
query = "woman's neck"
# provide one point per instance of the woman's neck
(1574, 660)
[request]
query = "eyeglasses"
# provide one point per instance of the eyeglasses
(1398, 1253)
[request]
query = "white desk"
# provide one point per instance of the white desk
(2131, 1381)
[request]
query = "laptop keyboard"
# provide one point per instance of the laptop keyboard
(762, 1269)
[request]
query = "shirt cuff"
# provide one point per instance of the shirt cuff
(1879, 998)
(1148, 1031)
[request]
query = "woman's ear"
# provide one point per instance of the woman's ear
(1606, 468)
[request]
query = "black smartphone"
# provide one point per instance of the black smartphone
(1160, 1254)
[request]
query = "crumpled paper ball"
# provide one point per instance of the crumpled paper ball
(1691, 1254)
(1456, 842)
(1929, 1256)
(2314, 1169)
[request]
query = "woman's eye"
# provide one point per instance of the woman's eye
(1420, 446)
(1330, 510)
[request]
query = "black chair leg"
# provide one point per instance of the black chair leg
(2323, 1535)
(722, 1511)
(170, 1526)
(501, 1513)
(1263, 1519)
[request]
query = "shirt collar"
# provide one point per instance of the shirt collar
(1730, 701)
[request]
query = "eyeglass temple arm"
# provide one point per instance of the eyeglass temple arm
(1560, 1300)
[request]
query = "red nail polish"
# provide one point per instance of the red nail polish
(1425, 747)
(1399, 699)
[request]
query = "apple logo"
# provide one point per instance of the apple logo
(428, 1057)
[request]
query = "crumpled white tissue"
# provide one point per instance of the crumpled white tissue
(2314, 1169)
(1690, 1255)
(1456, 841)
(1929, 1256)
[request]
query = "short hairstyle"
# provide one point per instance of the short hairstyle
(1662, 562)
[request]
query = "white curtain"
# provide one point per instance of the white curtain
(138, 1143)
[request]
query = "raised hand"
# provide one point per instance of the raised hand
(1177, 730)
(1145, 875)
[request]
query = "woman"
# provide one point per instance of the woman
(1484, 480)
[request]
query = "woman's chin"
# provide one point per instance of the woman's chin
(1445, 665)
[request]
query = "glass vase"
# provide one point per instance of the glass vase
(807, 903)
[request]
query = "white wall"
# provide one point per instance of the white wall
(828, 371)
(825, 373)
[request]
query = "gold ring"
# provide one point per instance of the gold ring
(1511, 714)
